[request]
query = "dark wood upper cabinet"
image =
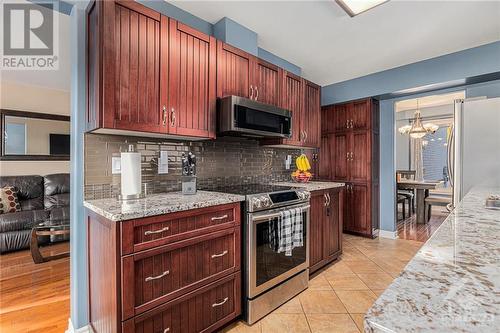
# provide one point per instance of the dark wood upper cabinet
(291, 99)
(360, 115)
(359, 158)
(325, 227)
(234, 68)
(339, 117)
(325, 157)
(266, 82)
(148, 73)
(311, 116)
(192, 77)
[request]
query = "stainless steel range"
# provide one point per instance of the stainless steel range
(275, 246)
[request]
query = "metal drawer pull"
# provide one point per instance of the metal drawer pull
(151, 278)
(166, 330)
(219, 255)
(220, 303)
(149, 232)
(219, 217)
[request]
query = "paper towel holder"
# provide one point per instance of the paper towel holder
(142, 195)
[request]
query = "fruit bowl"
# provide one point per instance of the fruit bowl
(302, 177)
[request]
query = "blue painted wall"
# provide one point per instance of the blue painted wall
(78, 244)
(180, 15)
(490, 89)
(453, 68)
(226, 30)
(274, 59)
(387, 213)
(236, 35)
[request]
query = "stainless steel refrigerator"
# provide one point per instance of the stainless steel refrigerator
(474, 145)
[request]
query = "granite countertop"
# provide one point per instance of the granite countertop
(158, 204)
(453, 283)
(312, 185)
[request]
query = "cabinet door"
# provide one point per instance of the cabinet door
(316, 227)
(325, 156)
(332, 232)
(310, 121)
(292, 100)
(360, 209)
(233, 71)
(267, 82)
(359, 114)
(327, 119)
(359, 156)
(192, 74)
(340, 117)
(340, 157)
(347, 208)
(140, 36)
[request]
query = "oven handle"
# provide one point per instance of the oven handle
(265, 217)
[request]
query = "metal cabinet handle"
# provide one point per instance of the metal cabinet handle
(326, 200)
(251, 92)
(215, 218)
(352, 123)
(172, 117)
(151, 278)
(329, 199)
(164, 109)
(219, 254)
(347, 156)
(352, 156)
(347, 123)
(256, 93)
(166, 330)
(150, 232)
(220, 303)
(305, 134)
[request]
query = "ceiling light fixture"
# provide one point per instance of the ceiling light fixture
(355, 7)
(417, 129)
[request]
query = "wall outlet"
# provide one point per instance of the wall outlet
(288, 162)
(116, 165)
(163, 162)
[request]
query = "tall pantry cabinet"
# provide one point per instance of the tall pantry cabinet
(350, 153)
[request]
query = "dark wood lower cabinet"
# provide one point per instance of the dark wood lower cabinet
(185, 279)
(326, 222)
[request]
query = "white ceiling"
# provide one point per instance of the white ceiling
(331, 47)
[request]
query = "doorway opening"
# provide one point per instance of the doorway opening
(423, 175)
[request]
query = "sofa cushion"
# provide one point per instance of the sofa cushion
(9, 203)
(57, 188)
(29, 190)
(12, 241)
(23, 220)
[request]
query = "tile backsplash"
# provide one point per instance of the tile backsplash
(225, 161)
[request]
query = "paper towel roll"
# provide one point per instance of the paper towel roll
(131, 173)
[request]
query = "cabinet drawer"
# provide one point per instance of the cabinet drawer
(162, 274)
(147, 233)
(204, 310)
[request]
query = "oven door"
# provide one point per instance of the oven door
(265, 266)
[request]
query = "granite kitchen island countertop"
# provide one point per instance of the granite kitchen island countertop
(158, 204)
(453, 283)
(312, 185)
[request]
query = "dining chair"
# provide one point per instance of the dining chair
(409, 193)
(402, 200)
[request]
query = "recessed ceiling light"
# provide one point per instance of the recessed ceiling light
(355, 7)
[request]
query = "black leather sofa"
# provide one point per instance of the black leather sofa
(44, 200)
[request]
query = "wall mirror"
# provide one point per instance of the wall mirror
(34, 136)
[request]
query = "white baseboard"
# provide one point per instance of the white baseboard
(84, 329)
(388, 234)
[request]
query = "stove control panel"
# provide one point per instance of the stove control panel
(261, 201)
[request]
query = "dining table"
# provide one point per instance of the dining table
(422, 188)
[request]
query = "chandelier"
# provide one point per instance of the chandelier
(417, 129)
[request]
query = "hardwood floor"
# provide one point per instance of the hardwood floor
(409, 229)
(34, 297)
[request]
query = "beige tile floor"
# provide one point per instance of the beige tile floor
(339, 296)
